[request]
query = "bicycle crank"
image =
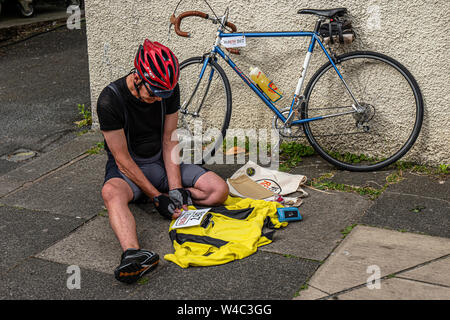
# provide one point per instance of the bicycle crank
(289, 132)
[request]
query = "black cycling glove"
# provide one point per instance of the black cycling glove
(180, 197)
(164, 205)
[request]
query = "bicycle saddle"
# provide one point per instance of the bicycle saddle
(329, 13)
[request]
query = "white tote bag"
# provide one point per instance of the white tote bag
(281, 183)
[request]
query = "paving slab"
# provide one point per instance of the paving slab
(36, 279)
(312, 167)
(95, 246)
(390, 251)
(324, 216)
(43, 116)
(410, 213)
(422, 185)
(47, 162)
(72, 191)
(435, 272)
(398, 289)
(261, 276)
(311, 294)
(6, 166)
(27, 232)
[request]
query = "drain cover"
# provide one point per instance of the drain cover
(20, 155)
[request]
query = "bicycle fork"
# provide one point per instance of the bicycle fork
(185, 105)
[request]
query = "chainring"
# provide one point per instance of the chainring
(294, 132)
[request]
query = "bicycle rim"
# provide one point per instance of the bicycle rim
(389, 118)
(205, 110)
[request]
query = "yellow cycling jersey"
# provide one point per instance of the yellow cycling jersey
(229, 232)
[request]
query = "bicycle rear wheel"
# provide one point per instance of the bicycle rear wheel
(389, 116)
(205, 109)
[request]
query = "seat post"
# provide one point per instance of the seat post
(318, 24)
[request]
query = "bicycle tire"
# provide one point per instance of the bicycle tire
(223, 126)
(366, 161)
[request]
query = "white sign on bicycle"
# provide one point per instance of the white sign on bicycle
(233, 42)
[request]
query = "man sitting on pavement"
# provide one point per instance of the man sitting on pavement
(138, 116)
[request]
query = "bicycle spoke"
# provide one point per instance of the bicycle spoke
(385, 118)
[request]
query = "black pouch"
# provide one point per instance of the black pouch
(337, 31)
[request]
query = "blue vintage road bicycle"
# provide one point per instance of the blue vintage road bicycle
(360, 111)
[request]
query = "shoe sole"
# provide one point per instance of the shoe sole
(130, 273)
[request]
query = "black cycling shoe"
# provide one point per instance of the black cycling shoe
(134, 264)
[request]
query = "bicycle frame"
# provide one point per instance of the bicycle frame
(314, 38)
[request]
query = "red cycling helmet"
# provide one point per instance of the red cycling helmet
(158, 68)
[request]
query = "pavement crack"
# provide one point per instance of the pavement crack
(319, 289)
(28, 184)
(389, 276)
(418, 196)
(426, 282)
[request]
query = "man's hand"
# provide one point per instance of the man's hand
(166, 207)
(181, 198)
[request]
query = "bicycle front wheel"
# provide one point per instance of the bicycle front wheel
(205, 109)
(389, 113)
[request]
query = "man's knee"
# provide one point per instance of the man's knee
(115, 191)
(218, 192)
(222, 193)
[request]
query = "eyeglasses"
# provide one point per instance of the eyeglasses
(151, 94)
(156, 92)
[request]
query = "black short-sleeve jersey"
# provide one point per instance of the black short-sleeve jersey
(143, 119)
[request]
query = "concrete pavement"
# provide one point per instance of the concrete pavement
(52, 217)
(42, 81)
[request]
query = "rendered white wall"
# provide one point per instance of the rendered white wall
(416, 33)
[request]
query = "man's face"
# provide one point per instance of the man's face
(145, 92)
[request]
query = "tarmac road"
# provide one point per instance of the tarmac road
(42, 80)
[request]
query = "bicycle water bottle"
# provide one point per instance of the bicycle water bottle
(267, 86)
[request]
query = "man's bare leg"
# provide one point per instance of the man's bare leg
(209, 190)
(117, 194)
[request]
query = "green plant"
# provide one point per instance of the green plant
(394, 177)
(291, 154)
(87, 116)
(142, 281)
(330, 185)
(352, 158)
(96, 149)
(417, 209)
(347, 230)
(403, 165)
(284, 167)
(444, 168)
(305, 286)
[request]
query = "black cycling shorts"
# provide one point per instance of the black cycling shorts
(154, 170)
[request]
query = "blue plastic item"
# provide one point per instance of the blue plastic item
(288, 214)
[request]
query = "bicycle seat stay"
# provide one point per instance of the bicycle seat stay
(329, 13)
